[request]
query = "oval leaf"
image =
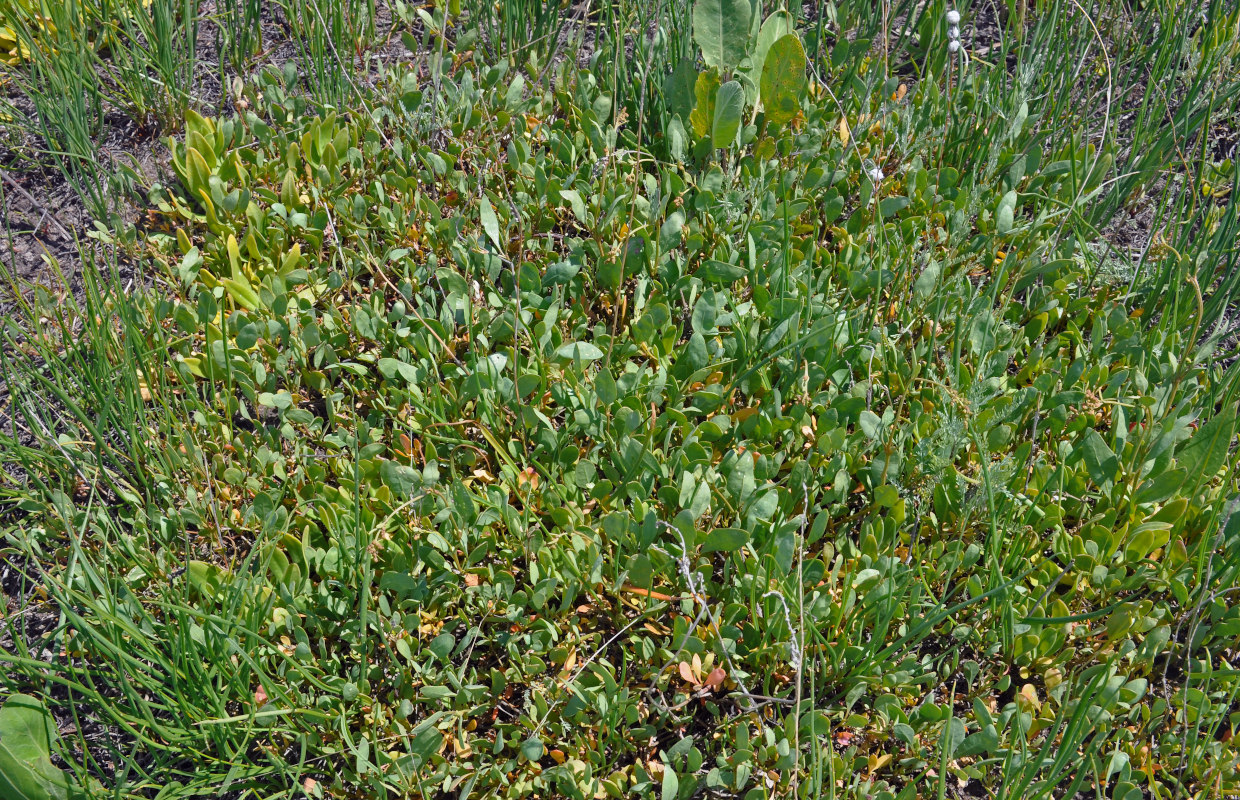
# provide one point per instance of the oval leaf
(721, 29)
(783, 80)
(583, 351)
(777, 25)
(725, 540)
(729, 105)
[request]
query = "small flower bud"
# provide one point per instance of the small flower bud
(953, 32)
(954, 46)
(953, 17)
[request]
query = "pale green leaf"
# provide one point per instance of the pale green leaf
(721, 28)
(729, 106)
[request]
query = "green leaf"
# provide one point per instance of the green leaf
(694, 495)
(984, 741)
(441, 646)
(605, 387)
(953, 736)
(671, 784)
(577, 204)
(721, 29)
(391, 367)
(400, 478)
(783, 80)
(923, 287)
(426, 741)
(532, 748)
(677, 139)
(1005, 212)
(1206, 451)
(1158, 489)
(777, 25)
(679, 88)
(871, 424)
(729, 107)
(670, 233)
(560, 272)
(1099, 460)
(866, 579)
(721, 272)
(725, 540)
(490, 222)
(26, 769)
(206, 578)
(583, 351)
(892, 205)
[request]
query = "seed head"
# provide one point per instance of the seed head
(875, 174)
(954, 46)
(953, 17)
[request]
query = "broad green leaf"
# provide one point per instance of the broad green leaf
(721, 272)
(984, 741)
(982, 333)
(677, 139)
(679, 89)
(729, 106)
(574, 200)
(1158, 489)
(892, 205)
(206, 578)
(583, 351)
(1206, 451)
(532, 748)
(866, 579)
(953, 735)
(871, 424)
(725, 540)
(671, 231)
(26, 769)
(1099, 459)
(426, 741)
(391, 367)
(703, 115)
(721, 28)
(923, 287)
(783, 80)
(670, 788)
(441, 646)
(1005, 212)
(694, 354)
(832, 207)
(777, 25)
(402, 479)
(560, 272)
(694, 495)
(605, 387)
(1018, 122)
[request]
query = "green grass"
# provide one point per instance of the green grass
(491, 426)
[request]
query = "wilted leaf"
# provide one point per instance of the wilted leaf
(783, 80)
